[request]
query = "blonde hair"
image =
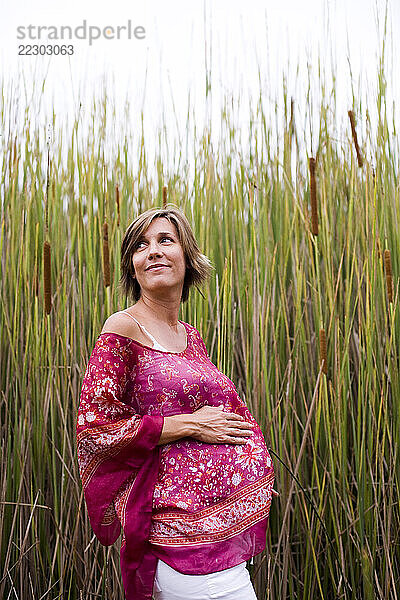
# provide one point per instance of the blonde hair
(198, 266)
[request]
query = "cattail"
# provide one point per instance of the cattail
(354, 134)
(117, 203)
(106, 257)
(313, 197)
(322, 351)
(378, 246)
(291, 122)
(47, 276)
(46, 214)
(164, 196)
(389, 276)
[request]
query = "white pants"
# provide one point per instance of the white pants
(230, 584)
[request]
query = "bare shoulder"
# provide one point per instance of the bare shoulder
(122, 324)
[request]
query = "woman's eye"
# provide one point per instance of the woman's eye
(165, 237)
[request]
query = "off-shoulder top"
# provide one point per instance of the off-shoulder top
(199, 507)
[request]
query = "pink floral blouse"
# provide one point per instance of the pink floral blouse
(199, 507)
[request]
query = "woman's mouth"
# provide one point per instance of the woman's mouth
(157, 268)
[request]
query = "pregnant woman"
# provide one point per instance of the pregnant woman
(167, 449)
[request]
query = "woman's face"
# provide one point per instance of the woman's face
(159, 245)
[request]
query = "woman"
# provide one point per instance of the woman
(166, 447)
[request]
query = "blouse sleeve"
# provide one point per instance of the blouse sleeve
(114, 442)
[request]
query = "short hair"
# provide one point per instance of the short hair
(198, 266)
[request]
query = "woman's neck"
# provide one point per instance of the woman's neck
(159, 310)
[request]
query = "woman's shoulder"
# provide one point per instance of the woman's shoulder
(122, 324)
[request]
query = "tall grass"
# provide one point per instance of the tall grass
(303, 323)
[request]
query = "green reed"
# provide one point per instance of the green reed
(276, 286)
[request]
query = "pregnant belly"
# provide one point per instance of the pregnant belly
(194, 475)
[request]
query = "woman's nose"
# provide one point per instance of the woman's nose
(154, 249)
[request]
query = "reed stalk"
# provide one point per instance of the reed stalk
(47, 277)
(313, 197)
(117, 202)
(106, 257)
(164, 194)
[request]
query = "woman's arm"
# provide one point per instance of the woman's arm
(176, 427)
(208, 424)
(115, 445)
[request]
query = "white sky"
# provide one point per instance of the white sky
(169, 64)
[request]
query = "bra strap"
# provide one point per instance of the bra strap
(129, 315)
(141, 326)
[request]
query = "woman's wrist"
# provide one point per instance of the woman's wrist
(176, 427)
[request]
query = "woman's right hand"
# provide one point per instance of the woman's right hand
(214, 426)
